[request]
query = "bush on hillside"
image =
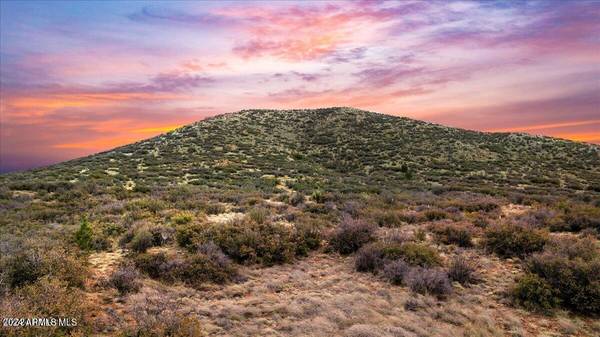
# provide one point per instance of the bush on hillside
(351, 234)
(395, 271)
(46, 297)
(142, 240)
(191, 269)
(534, 293)
(570, 267)
(31, 264)
(432, 281)
(125, 280)
(456, 234)
(511, 240)
(462, 271)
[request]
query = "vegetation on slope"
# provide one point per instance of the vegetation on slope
(423, 212)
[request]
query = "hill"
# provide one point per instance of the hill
(340, 149)
(328, 222)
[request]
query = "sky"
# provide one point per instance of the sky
(81, 77)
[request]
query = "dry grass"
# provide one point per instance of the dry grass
(322, 296)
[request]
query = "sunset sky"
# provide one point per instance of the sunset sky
(81, 77)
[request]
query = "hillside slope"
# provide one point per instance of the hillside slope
(336, 148)
(330, 222)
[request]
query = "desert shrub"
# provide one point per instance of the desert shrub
(420, 235)
(571, 269)
(435, 214)
(318, 196)
(142, 240)
(192, 269)
(30, 264)
(534, 293)
(409, 217)
(373, 257)
(182, 218)
(47, 297)
(154, 265)
(461, 271)
(201, 268)
(161, 235)
(388, 197)
(307, 236)
(252, 242)
(148, 204)
(539, 218)
(369, 258)
(388, 218)
(415, 254)
(158, 316)
(352, 208)
(395, 271)
(125, 280)
(187, 235)
(459, 235)
(580, 217)
(247, 241)
(432, 281)
(296, 198)
(83, 236)
(351, 234)
(510, 240)
(259, 214)
(214, 208)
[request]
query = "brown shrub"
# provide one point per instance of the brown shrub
(125, 280)
(428, 281)
(351, 234)
(458, 234)
(45, 298)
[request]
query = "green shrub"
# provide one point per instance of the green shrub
(388, 218)
(415, 254)
(307, 236)
(182, 218)
(247, 241)
(448, 234)
(571, 268)
(207, 265)
(318, 196)
(259, 214)
(435, 214)
(351, 234)
(83, 236)
(142, 240)
(534, 293)
(512, 240)
(31, 264)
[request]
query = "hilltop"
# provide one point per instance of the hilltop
(328, 222)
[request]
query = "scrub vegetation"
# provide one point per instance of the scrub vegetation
(328, 222)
